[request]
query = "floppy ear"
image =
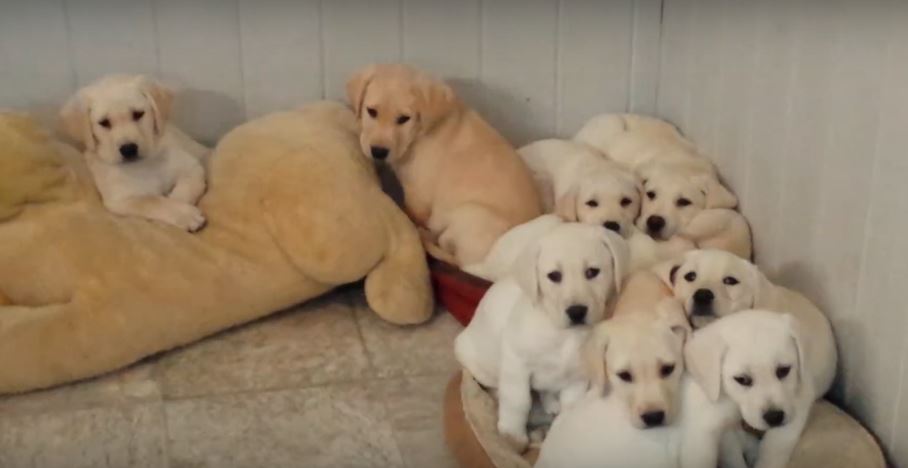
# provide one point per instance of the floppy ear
(75, 122)
(703, 357)
(526, 272)
(566, 205)
(717, 195)
(436, 101)
(594, 357)
(668, 270)
(670, 312)
(161, 99)
(794, 328)
(621, 256)
(356, 88)
(763, 289)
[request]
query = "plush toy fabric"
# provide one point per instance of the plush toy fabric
(293, 210)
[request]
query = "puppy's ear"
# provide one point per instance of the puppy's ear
(356, 88)
(75, 121)
(621, 256)
(594, 357)
(566, 205)
(668, 270)
(717, 195)
(526, 273)
(794, 327)
(161, 99)
(703, 355)
(670, 312)
(436, 101)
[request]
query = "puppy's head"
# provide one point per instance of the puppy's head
(572, 272)
(395, 104)
(610, 199)
(713, 283)
(673, 197)
(641, 361)
(756, 359)
(118, 119)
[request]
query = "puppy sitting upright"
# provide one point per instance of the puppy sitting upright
(529, 329)
(461, 180)
(141, 165)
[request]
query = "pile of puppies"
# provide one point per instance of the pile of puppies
(623, 296)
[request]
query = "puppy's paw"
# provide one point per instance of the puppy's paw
(187, 217)
(517, 440)
(551, 405)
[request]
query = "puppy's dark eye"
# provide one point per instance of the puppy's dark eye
(690, 276)
(625, 376)
(137, 115)
(682, 202)
(372, 112)
(744, 380)
(651, 195)
(403, 119)
(104, 123)
(592, 203)
(554, 276)
(666, 370)
(626, 201)
(782, 372)
(730, 280)
(591, 273)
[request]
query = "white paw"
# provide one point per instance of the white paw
(186, 217)
(517, 439)
(551, 405)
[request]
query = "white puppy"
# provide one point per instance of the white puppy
(579, 184)
(142, 166)
(528, 329)
(681, 187)
(749, 367)
(644, 251)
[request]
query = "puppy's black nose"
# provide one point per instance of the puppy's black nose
(379, 152)
(129, 151)
(653, 418)
(655, 224)
(577, 314)
(774, 417)
(704, 297)
(612, 226)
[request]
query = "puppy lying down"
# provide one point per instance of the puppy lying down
(142, 165)
(529, 328)
(751, 366)
(682, 191)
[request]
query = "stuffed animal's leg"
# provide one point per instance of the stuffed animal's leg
(398, 287)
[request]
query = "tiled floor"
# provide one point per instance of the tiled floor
(326, 384)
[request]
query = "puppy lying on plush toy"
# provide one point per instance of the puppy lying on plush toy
(293, 211)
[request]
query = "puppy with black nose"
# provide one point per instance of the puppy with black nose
(529, 329)
(142, 165)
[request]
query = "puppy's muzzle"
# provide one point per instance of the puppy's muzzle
(774, 417)
(653, 418)
(703, 302)
(129, 151)
(577, 314)
(379, 152)
(612, 226)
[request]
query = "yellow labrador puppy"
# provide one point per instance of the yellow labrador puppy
(142, 166)
(461, 179)
(682, 191)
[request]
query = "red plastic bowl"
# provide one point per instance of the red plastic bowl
(458, 291)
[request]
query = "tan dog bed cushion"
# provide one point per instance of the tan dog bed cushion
(293, 208)
(832, 439)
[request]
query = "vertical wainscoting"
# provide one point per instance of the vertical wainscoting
(537, 69)
(804, 106)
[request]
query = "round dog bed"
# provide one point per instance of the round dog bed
(832, 439)
(458, 291)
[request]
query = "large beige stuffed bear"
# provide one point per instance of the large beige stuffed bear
(293, 210)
